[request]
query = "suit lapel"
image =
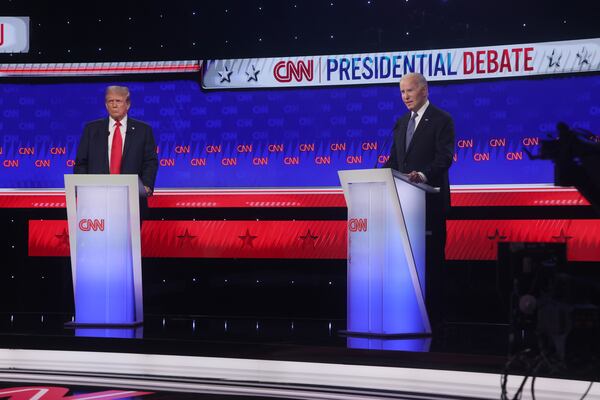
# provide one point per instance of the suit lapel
(128, 136)
(423, 125)
(103, 144)
(402, 132)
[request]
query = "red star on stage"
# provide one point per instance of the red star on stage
(562, 237)
(63, 237)
(185, 237)
(247, 239)
(496, 237)
(309, 236)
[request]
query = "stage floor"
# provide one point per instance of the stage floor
(172, 356)
(467, 346)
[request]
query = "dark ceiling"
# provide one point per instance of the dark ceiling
(168, 30)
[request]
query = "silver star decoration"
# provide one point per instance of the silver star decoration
(225, 75)
(554, 62)
(583, 57)
(253, 76)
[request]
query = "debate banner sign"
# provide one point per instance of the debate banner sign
(515, 60)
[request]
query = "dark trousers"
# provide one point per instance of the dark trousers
(435, 256)
(143, 209)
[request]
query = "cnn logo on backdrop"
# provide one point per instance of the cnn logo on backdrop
(357, 224)
(285, 71)
(87, 224)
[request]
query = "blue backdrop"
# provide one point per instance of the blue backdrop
(291, 137)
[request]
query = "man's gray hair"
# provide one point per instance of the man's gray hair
(122, 90)
(416, 76)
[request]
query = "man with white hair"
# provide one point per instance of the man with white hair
(423, 148)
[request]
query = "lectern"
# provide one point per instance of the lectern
(386, 253)
(104, 235)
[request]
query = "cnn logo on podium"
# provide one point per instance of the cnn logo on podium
(357, 224)
(95, 225)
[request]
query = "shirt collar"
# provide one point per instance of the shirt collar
(423, 108)
(111, 121)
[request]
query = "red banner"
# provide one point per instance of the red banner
(32, 199)
(525, 196)
(214, 239)
(276, 198)
(478, 240)
(466, 240)
(310, 197)
(245, 239)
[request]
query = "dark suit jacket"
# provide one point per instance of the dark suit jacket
(139, 151)
(430, 151)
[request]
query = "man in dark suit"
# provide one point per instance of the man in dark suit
(118, 144)
(423, 148)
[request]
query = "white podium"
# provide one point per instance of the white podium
(104, 236)
(386, 253)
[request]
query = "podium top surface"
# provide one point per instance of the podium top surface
(424, 186)
(380, 174)
(101, 179)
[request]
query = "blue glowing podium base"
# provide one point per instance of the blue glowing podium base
(386, 254)
(104, 236)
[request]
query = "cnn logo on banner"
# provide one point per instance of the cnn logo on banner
(357, 224)
(284, 71)
(1, 34)
(87, 225)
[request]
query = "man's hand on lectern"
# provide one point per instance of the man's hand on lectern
(417, 177)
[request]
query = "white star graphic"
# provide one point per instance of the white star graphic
(225, 75)
(253, 76)
(552, 61)
(583, 57)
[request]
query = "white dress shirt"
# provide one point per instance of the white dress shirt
(420, 113)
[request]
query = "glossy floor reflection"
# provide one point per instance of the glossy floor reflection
(260, 337)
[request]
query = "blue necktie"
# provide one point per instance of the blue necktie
(410, 130)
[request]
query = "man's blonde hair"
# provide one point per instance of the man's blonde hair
(122, 90)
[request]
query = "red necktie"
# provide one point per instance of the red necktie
(116, 151)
